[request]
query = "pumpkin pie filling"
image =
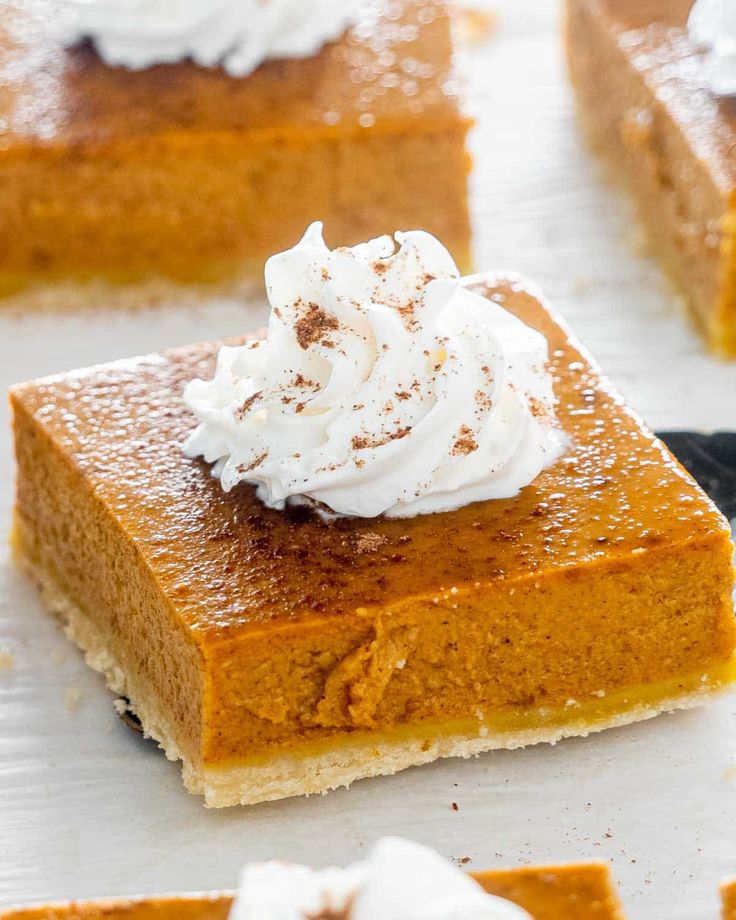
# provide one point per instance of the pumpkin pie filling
(277, 653)
(182, 174)
(728, 899)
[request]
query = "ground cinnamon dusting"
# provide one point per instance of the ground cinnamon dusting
(407, 313)
(465, 443)
(483, 400)
(362, 443)
(313, 325)
(247, 467)
(241, 413)
(536, 408)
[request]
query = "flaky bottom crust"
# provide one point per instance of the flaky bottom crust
(310, 769)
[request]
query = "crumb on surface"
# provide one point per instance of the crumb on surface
(7, 660)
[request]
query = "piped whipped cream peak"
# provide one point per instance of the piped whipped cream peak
(712, 26)
(399, 881)
(384, 386)
(237, 34)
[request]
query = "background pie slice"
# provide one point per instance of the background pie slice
(179, 173)
(645, 105)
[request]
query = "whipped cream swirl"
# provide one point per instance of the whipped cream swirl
(712, 26)
(384, 386)
(399, 881)
(237, 34)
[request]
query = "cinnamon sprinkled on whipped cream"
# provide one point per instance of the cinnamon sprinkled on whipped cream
(384, 386)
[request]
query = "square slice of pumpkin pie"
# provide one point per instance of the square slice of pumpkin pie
(413, 521)
(145, 155)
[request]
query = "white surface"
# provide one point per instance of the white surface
(87, 809)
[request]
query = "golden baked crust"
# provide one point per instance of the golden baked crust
(573, 892)
(644, 105)
(185, 174)
(300, 654)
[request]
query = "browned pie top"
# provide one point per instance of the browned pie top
(654, 36)
(229, 563)
(395, 64)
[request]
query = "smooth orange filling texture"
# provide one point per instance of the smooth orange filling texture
(422, 662)
(252, 198)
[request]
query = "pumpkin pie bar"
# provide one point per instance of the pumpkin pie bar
(183, 174)
(278, 653)
(570, 892)
(647, 108)
(728, 899)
